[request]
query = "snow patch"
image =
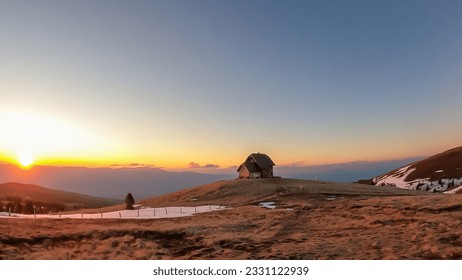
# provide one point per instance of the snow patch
(267, 204)
(142, 213)
(6, 214)
(424, 184)
(397, 179)
(453, 191)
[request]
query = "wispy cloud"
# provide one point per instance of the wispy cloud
(132, 164)
(194, 165)
(294, 164)
(197, 165)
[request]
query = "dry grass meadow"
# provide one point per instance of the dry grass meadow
(312, 220)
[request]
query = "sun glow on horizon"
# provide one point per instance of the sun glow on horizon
(26, 160)
(28, 135)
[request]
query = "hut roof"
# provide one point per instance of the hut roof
(251, 166)
(262, 160)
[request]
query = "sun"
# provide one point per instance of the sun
(26, 160)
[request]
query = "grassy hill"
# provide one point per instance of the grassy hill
(438, 173)
(238, 192)
(18, 195)
(313, 221)
(248, 192)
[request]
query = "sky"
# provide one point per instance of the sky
(178, 84)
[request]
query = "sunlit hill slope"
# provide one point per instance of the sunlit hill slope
(439, 173)
(21, 197)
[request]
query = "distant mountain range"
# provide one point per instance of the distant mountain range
(145, 182)
(439, 173)
(342, 172)
(108, 182)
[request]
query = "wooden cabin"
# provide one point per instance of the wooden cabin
(256, 166)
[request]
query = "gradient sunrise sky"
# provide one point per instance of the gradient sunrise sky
(167, 83)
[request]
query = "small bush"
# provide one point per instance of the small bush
(129, 201)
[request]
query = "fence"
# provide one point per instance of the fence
(142, 213)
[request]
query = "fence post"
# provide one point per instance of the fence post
(181, 210)
(81, 216)
(138, 213)
(120, 215)
(101, 215)
(60, 214)
(166, 213)
(34, 213)
(154, 212)
(209, 207)
(9, 212)
(195, 208)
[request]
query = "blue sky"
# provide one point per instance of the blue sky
(173, 82)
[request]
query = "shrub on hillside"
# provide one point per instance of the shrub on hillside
(129, 201)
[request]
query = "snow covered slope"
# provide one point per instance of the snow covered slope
(438, 173)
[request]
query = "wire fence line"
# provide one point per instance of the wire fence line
(141, 213)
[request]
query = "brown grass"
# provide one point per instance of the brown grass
(242, 192)
(245, 192)
(304, 226)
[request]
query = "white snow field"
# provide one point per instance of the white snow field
(396, 179)
(142, 213)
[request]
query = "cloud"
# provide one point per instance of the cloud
(294, 164)
(132, 164)
(194, 165)
(197, 165)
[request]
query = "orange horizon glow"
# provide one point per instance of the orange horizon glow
(26, 162)
(39, 139)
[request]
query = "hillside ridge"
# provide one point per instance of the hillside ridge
(21, 197)
(441, 172)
